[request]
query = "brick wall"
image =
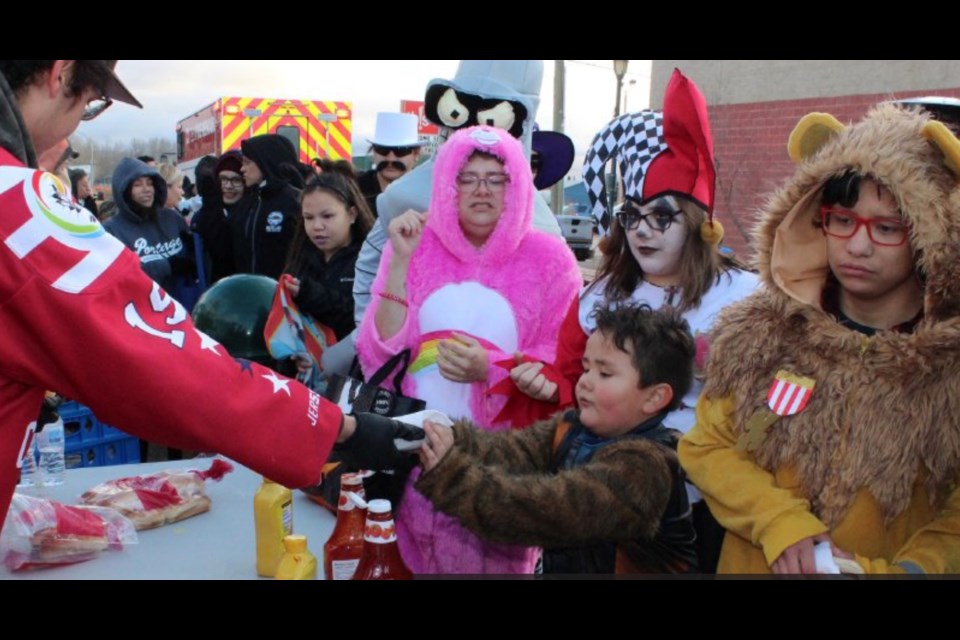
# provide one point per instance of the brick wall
(750, 141)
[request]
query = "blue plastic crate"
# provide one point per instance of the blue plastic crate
(80, 426)
(102, 453)
(111, 432)
(70, 408)
(121, 451)
(83, 456)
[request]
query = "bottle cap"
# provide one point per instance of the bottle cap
(295, 543)
(352, 479)
(378, 506)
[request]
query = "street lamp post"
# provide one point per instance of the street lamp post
(620, 70)
(559, 91)
(626, 95)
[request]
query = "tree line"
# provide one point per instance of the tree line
(103, 157)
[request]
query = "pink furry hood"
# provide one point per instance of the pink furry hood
(444, 218)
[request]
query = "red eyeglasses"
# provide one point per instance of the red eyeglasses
(843, 223)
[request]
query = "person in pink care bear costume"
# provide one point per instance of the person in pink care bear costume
(471, 289)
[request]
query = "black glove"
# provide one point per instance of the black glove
(372, 445)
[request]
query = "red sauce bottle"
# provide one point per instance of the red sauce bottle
(342, 552)
(381, 557)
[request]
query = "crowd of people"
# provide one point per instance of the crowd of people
(681, 413)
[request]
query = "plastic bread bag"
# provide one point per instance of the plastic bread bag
(40, 533)
(160, 498)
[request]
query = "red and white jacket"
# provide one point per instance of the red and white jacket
(78, 316)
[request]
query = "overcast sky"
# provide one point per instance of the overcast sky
(173, 89)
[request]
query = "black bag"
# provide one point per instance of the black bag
(356, 396)
(353, 395)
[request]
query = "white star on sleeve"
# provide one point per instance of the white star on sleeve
(279, 383)
(207, 343)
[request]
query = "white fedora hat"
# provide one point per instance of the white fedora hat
(396, 130)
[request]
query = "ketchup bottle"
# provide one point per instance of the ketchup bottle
(342, 552)
(381, 557)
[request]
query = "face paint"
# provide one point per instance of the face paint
(659, 253)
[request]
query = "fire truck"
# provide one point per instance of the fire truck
(318, 128)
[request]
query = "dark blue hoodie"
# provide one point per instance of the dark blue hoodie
(157, 235)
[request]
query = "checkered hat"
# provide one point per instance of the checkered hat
(658, 154)
(635, 139)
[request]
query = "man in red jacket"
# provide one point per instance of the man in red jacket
(79, 317)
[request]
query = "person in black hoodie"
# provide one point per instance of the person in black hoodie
(335, 221)
(221, 190)
(157, 235)
(263, 223)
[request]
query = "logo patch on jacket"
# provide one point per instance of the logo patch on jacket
(789, 393)
(42, 226)
(159, 251)
(274, 222)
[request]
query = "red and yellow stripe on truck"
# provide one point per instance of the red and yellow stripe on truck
(321, 129)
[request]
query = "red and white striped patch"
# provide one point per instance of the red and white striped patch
(789, 393)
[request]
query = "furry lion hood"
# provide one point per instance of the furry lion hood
(905, 151)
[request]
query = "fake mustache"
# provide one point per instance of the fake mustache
(395, 164)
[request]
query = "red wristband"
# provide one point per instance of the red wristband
(393, 298)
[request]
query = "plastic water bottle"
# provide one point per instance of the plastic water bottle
(28, 464)
(51, 445)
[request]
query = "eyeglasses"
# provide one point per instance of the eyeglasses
(659, 219)
(842, 223)
(400, 152)
(231, 182)
(470, 182)
(95, 107)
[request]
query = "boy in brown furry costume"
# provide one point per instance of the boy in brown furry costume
(600, 488)
(832, 400)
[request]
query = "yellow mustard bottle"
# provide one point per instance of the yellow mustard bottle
(297, 563)
(273, 520)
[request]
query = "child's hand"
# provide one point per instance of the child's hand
(799, 557)
(293, 286)
(527, 377)
(304, 364)
(439, 441)
(462, 359)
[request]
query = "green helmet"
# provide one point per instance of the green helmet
(234, 313)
